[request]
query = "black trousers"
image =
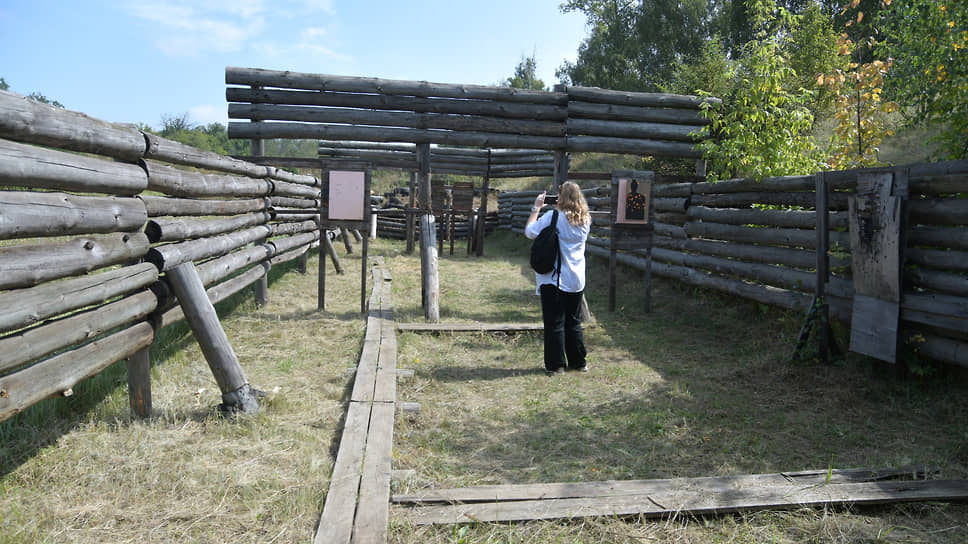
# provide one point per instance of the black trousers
(563, 337)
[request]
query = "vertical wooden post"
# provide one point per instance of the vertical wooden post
(482, 211)
(304, 262)
(428, 246)
(205, 325)
(324, 243)
(411, 218)
(261, 286)
(561, 168)
(139, 383)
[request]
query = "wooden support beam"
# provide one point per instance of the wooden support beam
(237, 395)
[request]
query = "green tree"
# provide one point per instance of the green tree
(525, 75)
(762, 128)
(3, 84)
(928, 42)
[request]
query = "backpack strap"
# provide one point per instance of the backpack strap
(554, 221)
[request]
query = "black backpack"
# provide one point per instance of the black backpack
(545, 256)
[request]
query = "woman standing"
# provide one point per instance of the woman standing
(561, 292)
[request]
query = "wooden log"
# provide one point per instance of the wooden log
(949, 350)
(347, 241)
(205, 325)
(289, 255)
(272, 129)
(629, 98)
(176, 182)
(218, 269)
(331, 251)
(955, 261)
(298, 203)
(779, 184)
(30, 121)
(285, 243)
(672, 190)
(217, 293)
(936, 280)
(793, 257)
(178, 153)
(936, 185)
(31, 344)
(614, 112)
(949, 211)
(801, 219)
(294, 190)
(938, 311)
(24, 307)
(160, 206)
(291, 177)
(29, 214)
(633, 129)
(399, 103)
(169, 230)
(353, 116)
(23, 165)
(837, 201)
(168, 256)
(325, 82)
(279, 229)
(631, 146)
(60, 373)
(431, 286)
(30, 264)
(767, 235)
(139, 383)
(941, 237)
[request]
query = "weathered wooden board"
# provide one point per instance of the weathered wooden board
(470, 327)
(373, 511)
(614, 488)
(336, 522)
(714, 499)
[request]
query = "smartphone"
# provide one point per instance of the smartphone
(551, 200)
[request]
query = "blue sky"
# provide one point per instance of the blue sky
(133, 61)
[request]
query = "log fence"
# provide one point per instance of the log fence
(738, 236)
(94, 220)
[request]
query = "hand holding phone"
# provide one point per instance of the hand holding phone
(551, 200)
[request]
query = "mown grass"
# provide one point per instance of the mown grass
(701, 386)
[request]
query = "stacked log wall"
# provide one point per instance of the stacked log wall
(92, 214)
(757, 240)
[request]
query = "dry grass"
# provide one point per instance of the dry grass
(701, 386)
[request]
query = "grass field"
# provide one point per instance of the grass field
(701, 386)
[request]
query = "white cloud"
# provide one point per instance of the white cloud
(189, 28)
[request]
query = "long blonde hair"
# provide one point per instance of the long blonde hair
(572, 203)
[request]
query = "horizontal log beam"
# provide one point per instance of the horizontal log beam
(588, 110)
(176, 182)
(170, 230)
(630, 98)
(473, 123)
(168, 256)
(269, 129)
(27, 120)
(57, 375)
(323, 82)
(942, 237)
(768, 235)
(837, 201)
(290, 177)
(949, 211)
(632, 129)
(399, 103)
(283, 244)
(30, 264)
(23, 165)
(28, 214)
(160, 206)
(34, 343)
(25, 307)
(280, 229)
(801, 219)
(216, 270)
(163, 149)
(294, 190)
(604, 144)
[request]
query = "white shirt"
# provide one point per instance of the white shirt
(571, 241)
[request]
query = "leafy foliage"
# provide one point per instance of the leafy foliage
(928, 40)
(762, 128)
(212, 137)
(525, 75)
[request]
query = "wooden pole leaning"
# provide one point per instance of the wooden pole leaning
(411, 217)
(237, 395)
(139, 383)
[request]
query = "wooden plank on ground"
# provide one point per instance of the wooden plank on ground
(386, 379)
(697, 501)
(336, 522)
(613, 488)
(470, 327)
(373, 512)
